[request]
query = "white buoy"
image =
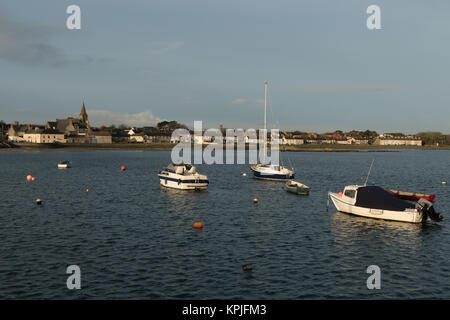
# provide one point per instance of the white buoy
(38, 202)
(244, 174)
(255, 200)
(444, 182)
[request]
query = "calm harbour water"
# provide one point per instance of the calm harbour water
(134, 240)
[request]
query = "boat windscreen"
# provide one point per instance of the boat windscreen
(378, 198)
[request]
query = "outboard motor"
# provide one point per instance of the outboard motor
(427, 209)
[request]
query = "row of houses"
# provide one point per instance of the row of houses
(69, 130)
(282, 141)
(285, 139)
(79, 131)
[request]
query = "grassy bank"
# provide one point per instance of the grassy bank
(79, 147)
(356, 148)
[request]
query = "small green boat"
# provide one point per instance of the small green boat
(296, 187)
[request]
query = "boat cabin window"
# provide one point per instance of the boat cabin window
(350, 193)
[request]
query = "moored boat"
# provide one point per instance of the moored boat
(64, 164)
(411, 196)
(375, 202)
(271, 172)
(183, 177)
(266, 171)
(296, 187)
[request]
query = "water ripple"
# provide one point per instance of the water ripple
(134, 240)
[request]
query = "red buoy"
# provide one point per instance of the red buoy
(123, 168)
(29, 177)
(198, 225)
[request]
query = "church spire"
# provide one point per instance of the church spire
(83, 115)
(83, 109)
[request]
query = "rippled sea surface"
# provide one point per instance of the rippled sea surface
(133, 239)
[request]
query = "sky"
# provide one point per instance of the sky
(139, 62)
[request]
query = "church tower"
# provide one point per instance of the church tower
(83, 116)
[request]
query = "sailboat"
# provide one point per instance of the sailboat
(270, 171)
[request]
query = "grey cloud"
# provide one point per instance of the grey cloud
(163, 47)
(239, 101)
(28, 44)
(106, 117)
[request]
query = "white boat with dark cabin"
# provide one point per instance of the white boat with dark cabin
(270, 171)
(183, 177)
(375, 202)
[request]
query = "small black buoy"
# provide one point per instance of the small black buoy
(38, 202)
(247, 267)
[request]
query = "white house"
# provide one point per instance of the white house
(141, 138)
(398, 142)
(292, 141)
(44, 137)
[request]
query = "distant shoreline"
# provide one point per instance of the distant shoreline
(90, 147)
(169, 146)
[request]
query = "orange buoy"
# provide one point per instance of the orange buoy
(340, 194)
(198, 225)
(29, 177)
(123, 168)
(33, 178)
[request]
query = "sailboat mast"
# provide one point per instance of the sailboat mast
(368, 174)
(265, 121)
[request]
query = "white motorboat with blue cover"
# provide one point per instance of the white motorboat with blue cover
(375, 202)
(183, 177)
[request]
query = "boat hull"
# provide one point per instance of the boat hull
(299, 191)
(271, 176)
(296, 188)
(410, 215)
(188, 183)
